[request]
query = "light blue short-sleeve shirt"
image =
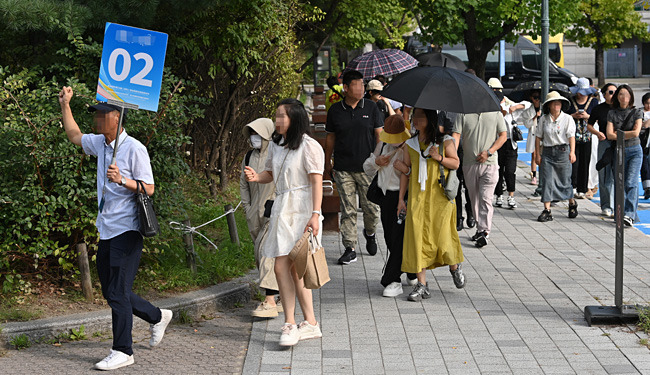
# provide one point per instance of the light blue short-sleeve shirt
(120, 213)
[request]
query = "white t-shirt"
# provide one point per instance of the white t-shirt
(555, 133)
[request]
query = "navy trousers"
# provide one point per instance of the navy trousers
(117, 263)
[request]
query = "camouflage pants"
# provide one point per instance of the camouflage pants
(350, 185)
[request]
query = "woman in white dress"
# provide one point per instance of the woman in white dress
(295, 163)
(530, 116)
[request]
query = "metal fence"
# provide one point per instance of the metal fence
(620, 62)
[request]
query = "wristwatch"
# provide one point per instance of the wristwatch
(489, 153)
(122, 181)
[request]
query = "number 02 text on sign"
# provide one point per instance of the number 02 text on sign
(132, 66)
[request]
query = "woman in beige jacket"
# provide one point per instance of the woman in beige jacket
(253, 196)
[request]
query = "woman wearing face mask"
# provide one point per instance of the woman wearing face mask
(624, 116)
(645, 145)
(430, 236)
(253, 196)
(386, 163)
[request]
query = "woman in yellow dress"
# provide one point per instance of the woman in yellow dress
(430, 236)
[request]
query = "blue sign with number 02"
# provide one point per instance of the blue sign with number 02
(132, 66)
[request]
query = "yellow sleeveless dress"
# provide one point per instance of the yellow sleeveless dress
(430, 235)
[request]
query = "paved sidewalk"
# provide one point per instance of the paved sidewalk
(521, 311)
(216, 345)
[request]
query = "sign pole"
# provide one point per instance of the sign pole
(117, 136)
(619, 313)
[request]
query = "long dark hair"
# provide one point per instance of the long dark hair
(432, 132)
(298, 124)
(616, 104)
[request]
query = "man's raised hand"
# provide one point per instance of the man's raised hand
(65, 95)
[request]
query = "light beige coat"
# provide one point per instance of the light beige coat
(253, 196)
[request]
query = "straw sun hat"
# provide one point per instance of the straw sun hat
(394, 130)
(553, 96)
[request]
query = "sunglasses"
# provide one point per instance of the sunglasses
(535, 97)
(610, 92)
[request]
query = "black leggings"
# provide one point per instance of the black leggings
(507, 168)
(580, 169)
(394, 237)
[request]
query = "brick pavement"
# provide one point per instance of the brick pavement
(214, 346)
(521, 311)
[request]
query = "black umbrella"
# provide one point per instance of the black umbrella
(519, 92)
(445, 89)
(441, 59)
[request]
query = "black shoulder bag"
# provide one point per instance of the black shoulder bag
(148, 222)
(374, 193)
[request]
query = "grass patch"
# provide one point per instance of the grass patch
(644, 319)
(184, 317)
(20, 313)
(21, 342)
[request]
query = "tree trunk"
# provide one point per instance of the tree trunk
(600, 66)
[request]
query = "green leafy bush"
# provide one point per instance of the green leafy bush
(48, 199)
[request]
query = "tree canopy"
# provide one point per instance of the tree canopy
(480, 24)
(604, 24)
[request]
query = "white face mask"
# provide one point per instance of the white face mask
(256, 141)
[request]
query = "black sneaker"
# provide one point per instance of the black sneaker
(471, 222)
(458, 276)
(371, 243)
(573, 210)
(475, 236)
(646, 193)
(482, 240)
(348, 256)
(545, 216)
(459, 224)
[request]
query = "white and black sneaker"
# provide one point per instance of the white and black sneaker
(348, 256)
(499, 201)
(482, 239)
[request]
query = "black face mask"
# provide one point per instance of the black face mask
(499, 95)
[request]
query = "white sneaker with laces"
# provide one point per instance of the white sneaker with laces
(308, 331)
(290, 335)
(393, 289)
(607, 212)
(499, 201)
(158, 330)
(511, 202)
(114, 361)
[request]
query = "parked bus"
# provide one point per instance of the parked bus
(555, 50)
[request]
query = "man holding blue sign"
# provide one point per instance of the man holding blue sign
(120, 242)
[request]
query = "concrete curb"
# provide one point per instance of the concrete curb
(193, 304)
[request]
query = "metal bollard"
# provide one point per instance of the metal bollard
(232, 225)
(189, 247)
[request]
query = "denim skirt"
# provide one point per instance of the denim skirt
(556, 173)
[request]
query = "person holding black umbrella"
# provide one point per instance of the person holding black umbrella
(430, 236)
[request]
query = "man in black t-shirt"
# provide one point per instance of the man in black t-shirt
(605, 175)
(353, 127)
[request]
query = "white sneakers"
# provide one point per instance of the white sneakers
(292, 333)
(308, 331)
(158, 330)
(114, 361)
(393, 289)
